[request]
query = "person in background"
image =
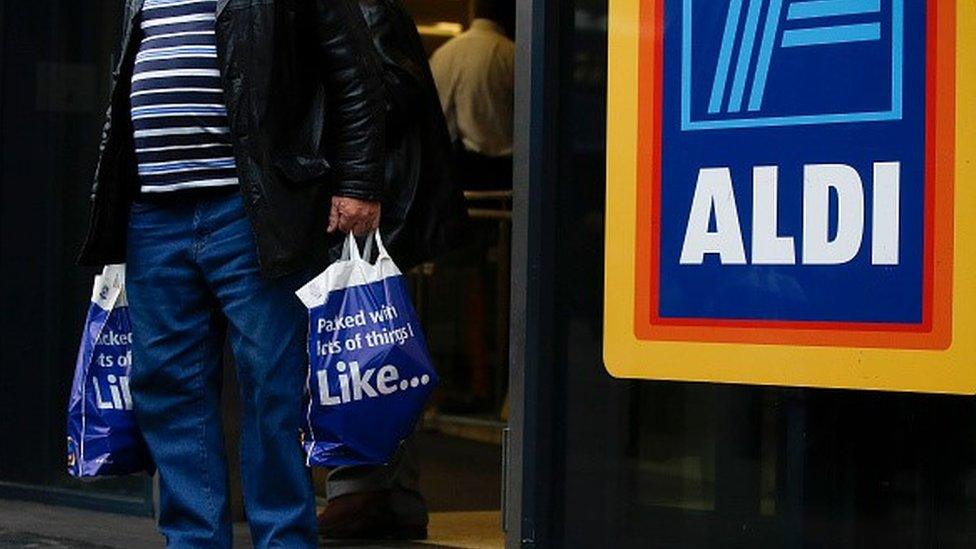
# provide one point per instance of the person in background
(423, 217)
(232, 159)
(475, 77)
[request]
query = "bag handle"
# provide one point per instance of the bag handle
(114, 275)
(383, 254)
(368, 248)
(350, 248)
(109, 288)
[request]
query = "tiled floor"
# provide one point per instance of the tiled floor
(468, 529)
(33, 525)
(461, 480)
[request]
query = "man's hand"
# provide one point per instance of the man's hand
(353, 215)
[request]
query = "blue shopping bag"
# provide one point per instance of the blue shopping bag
(103, 438)
(370, 373)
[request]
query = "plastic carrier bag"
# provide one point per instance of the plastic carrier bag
(103, 438)
(370, 372)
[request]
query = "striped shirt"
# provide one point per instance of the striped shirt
(179, 117)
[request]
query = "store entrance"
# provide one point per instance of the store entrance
(463, 300)
(463, 297)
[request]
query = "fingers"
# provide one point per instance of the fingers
(346, 223)
(355, 216)
(334, 217)
(357, 225)
(361, 227)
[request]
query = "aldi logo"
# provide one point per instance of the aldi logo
(781, 62)
(794, 166)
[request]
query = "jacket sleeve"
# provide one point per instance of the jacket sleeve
(355, 94)
(404, 79)
(116, 71)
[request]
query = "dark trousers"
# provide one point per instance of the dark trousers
(401, 477)
(477, 172)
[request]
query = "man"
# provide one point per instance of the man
(242, 138)
(429, 218)
(475, 76)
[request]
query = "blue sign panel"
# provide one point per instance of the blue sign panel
(793, 161)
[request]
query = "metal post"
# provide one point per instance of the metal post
(531, 369)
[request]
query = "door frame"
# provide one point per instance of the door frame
(528, 513)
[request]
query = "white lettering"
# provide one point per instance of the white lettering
(356, 384)
(325, 399)
(343, 381)
(126, 393)
(341, 322)
(386, 379)
(818, 180)
(768, 248)
(713, 194)
(117, 395)
(360, 382)
(714, 198)
(885, 213)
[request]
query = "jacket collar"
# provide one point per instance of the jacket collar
(135, 11)
(221, 4)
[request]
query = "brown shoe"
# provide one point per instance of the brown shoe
(407, 532)
(364, 516)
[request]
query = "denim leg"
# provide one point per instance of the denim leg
(267, 327)
(175, 379)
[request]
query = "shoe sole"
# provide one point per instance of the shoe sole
(400, 535)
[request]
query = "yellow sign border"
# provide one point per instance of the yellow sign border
(952, 370)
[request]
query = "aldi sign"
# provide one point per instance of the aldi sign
(782, 198)
(791, 186)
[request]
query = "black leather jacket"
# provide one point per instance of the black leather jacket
(306, 108)
(424, 214)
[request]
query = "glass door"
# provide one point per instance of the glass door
(598, 461)
(55, 62)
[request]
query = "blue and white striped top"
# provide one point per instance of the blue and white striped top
(179, 116)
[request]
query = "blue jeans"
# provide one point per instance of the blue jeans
(192, 280)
